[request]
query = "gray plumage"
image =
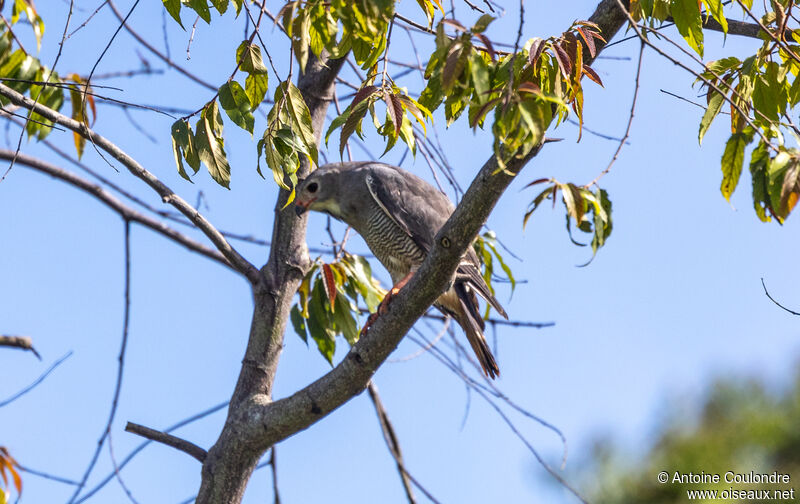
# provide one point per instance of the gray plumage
(398, 214)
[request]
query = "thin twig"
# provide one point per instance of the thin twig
(120, 362)
(273, 463)
(116, 205)
(773, 300)
(142, 446)
(168, 439)
(191, 38)
(390, 436)
(39, 95)
(116, 470)
(158, 53)
(630, 121)
(36, 382)
(48, 476)
(167, 195)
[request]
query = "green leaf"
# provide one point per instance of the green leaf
(256, 86)
(714, 106)
(210, 147)
(236, 104)
(360, 273)
(686, 14)
(182, 135)
(603, 224)
(482, 23)
(345, 322)
(479, 71)
(759, 161)
(301, 120)
(220, 5)
(319, 324)
(503, 264)
(249, 57)
(299, 323)
(201, 8)
(49, 96)
(174, 9)
(180, 139)
(732, 161)
(715, 8)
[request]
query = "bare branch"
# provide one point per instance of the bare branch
(158, 53)
(116, 205)
(35, 382)
(142, 446)
(120, 366)
(21, 342)
(627, 134)
(773, 300)
(168, 439)
(167, 195)
(392, 442)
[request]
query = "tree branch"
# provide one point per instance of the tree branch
(158, 53)
(168, 439)
(21, 342)
(114, 204)
(255, 422)
(773, 299)
(390, 437)
(230, 462)
(167, 195)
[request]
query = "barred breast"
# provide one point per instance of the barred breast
(391, 245)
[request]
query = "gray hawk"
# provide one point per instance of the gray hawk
(398, 214)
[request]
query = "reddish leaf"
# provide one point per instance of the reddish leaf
(570, 45)
(589, 72)
(535, 52)
(485, 108)
(453, 66)
(362, 94)
(563, 60)
(589, 24)
(330, 284)
(588, 40)
(488, 43)
(530, 87)
(597, 36)
(395, 109)
(537, 181)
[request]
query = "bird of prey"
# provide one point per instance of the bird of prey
(398, 214)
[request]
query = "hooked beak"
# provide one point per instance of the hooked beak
(300, 207)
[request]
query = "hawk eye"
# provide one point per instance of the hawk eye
(312, 187)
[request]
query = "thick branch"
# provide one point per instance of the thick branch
(21, 342)
(113, 203)
(167, 439)
(167, 195)
(232, 458)
(264, 423)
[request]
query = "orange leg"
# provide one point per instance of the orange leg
(385, 302)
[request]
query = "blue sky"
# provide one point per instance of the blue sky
(673, 300)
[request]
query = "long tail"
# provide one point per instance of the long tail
(470, 320)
